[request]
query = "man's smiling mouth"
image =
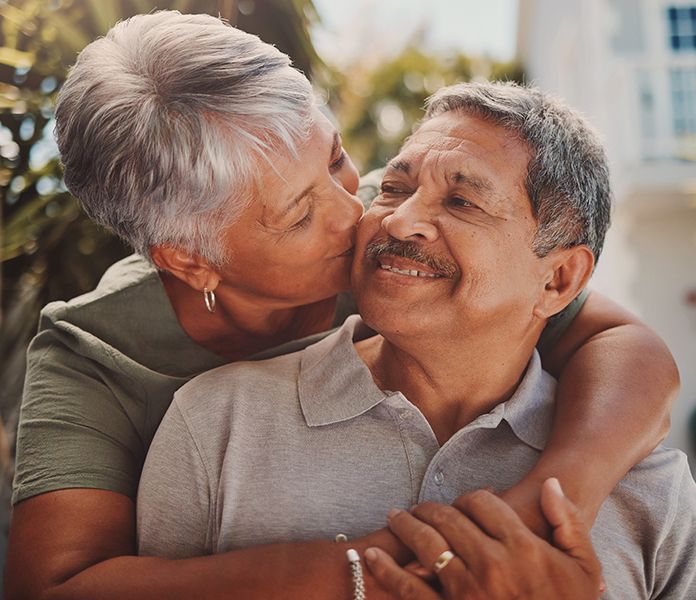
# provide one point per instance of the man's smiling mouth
(408, 259)
(408, 267)
(410, 272)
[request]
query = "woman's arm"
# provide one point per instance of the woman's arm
(616, 383)
(80, 543)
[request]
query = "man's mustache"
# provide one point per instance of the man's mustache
(411, 250)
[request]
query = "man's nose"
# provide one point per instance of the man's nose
(411, 220)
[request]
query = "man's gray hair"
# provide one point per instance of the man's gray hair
(162, 123)
(567, 176)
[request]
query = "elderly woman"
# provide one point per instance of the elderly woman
(203, 148)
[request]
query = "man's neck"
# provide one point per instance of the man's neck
(450, 386)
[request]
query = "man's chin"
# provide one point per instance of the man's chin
(388, 312)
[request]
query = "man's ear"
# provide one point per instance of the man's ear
(189, 268)
(568, 271)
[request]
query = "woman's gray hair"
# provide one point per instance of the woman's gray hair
(162, 124)
(567, 176)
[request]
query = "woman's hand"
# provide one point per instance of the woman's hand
(495, 555)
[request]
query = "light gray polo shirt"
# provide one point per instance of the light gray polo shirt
(305, 445)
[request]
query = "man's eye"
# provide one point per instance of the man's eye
(458, 202)
(338, 163)
(390, 188)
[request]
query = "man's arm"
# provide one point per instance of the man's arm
(617, 380)
(75, 544)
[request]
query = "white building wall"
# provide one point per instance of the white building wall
(593, 53)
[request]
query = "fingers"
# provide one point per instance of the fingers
(459, 533)
(492, 514)
(396, 580)
(428, 544)
(418, 569)
(570, 534)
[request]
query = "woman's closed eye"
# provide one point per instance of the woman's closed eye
(338, 162)
(303, 222)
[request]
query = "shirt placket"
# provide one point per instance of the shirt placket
(437, 484)
(419, 441)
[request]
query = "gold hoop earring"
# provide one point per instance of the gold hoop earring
(209, 298)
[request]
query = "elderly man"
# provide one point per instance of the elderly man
(488, 224)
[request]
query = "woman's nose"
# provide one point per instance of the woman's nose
(346, 212)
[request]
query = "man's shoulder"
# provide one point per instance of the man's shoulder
(251, 387)
(658, 495)
(245, 375)
(662, 478)
(241, 387)
(650, 521)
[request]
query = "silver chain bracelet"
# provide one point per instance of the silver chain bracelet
(357, 573)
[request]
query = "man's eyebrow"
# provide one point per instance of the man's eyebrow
(400, 165)
(479, 183)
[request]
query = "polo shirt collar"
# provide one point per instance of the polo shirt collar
(529, 411)
(334, 384)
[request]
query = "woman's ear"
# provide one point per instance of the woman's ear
(193, 270)
(569, 270)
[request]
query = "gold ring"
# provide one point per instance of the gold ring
(442, 561)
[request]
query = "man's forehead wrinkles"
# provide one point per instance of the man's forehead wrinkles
(455, 155)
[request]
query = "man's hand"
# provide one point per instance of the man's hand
(496, 555)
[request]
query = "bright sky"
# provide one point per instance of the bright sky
(353, 29)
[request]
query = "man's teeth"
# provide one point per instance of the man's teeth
(411, 272)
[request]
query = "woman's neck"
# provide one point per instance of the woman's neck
(240, 327)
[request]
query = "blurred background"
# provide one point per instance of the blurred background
(629, 65)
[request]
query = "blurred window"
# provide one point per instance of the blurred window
(682, 28)
(647, 104)
(683, 84)
(628, 34)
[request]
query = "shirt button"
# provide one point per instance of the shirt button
(439, 478)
